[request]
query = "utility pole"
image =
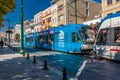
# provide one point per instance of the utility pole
(22, 30)
(8, 20)
(75, 11)
(9, 32)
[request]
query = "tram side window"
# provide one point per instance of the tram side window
(29, 39)
(117, 35)
(51, 39)
(40, 39)
(73, 37)
(46, 39)
(78, 38)
(102, 37)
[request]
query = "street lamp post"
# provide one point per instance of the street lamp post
(22, 32)
(8, 31)
(75, 11)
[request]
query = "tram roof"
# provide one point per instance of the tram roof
(110, 20)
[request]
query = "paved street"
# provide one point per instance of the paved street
(78, 67)
(59, 39)
(14, 66)
(81, 67)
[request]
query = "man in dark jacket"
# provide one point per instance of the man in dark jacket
(1, 43)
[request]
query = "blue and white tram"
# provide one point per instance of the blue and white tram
(72, 38)
(107, 44)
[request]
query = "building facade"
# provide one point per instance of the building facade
(61, 11)
(2, 35)
(46, 19)
(110, 6)
(37, 22)
(54, 18)
(82, 11)
(86, 10)
(28, 26)
(16, 30)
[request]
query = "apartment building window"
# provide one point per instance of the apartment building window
(34, 21)
(60, 18)
(55, 20)
(87, 12)
(54, 11)
(117, 11)
(37, 20)
(40, 18)
(117, 0)
(87, 4)
(109, 2)
(49, 19)
(109, 13)
(60, 7)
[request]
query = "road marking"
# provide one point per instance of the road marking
(79, 71)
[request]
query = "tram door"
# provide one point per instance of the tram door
(76, 42)
(103, 43)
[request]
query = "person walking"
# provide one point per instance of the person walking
(1, 43)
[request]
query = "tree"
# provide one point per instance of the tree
(17, 36)
(6, 6)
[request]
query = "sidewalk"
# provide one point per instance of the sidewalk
(14, 66)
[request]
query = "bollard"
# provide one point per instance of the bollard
(15, 49)
(34, 60)
(11, 47)
(23, 54)
(64, 74)
(28, 56)
(18, 50)
(45, 65)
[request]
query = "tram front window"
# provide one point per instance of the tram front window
(51, 39)
(102, 38)
(87, 35)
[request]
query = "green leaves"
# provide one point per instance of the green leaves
(6, 6)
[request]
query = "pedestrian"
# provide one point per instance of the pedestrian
(1, 43)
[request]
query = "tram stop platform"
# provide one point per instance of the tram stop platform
(14, 66)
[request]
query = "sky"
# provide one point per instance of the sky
(30, 9)
(100, 1)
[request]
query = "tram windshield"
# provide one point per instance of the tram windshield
(108, 36)
(40, 39)
(87, 35)
(103, 36)
(29, 39)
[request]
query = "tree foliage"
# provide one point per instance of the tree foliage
(17, 36)
(6, 6)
